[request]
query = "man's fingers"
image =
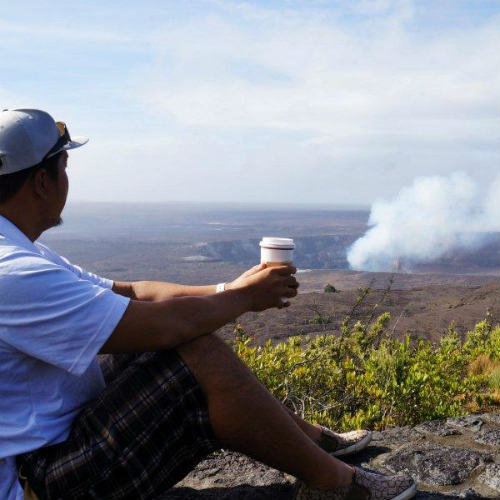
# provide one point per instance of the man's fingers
(289, 292)
(255, 269)
(284, 270)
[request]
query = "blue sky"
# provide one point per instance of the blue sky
(297, 101)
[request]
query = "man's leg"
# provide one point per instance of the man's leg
(312, 430)
(245, 417)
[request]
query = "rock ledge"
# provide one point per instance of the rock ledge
(455, 459)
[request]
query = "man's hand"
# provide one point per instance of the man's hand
(165, 324)
(241, 280)
(267, 285)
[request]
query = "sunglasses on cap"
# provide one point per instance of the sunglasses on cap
(64, 138)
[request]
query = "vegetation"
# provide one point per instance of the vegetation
(329, 288)
(364, 378)
(318, 317)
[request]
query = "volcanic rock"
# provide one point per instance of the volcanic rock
(451, 460)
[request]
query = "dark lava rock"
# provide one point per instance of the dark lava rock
(469, 493)
(436, 466)
(490, 437)
(229, 475)
(452, 460)
(397, 435)
(493, 418)
(491, 477)
(438, 428)
(471, 423)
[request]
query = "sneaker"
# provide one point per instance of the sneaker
(343, 444)
(365, 486)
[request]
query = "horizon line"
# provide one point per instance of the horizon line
(283, 204)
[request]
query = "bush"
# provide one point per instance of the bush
(319, 319)
(493, 346)
(363, 378)
(329, 289)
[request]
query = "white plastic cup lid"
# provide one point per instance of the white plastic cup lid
(278, 243)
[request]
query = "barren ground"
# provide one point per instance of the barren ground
(421, 305)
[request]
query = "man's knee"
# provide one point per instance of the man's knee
(205, 350)
(211, 360)
(206, 345)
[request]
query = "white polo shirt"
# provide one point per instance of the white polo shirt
(54, 318)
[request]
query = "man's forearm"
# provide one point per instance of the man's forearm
(207, 314)
(161, 290)
(153, 326)
(150, 325)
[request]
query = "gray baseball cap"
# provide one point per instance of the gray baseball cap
(28, 136)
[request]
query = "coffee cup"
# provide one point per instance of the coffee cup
(276, 252)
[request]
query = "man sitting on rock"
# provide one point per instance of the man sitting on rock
(134, 423)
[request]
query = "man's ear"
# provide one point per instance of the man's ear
(41, 181)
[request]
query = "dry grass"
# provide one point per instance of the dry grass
(495, 382)
(484, 365)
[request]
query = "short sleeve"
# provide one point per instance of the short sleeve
(80, 272)
(49, 313)
(87, 275)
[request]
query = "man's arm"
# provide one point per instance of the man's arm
(154, 326)
(155, 291)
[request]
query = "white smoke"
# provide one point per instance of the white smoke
(426, 220)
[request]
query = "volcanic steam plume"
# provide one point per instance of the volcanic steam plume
(426, 220)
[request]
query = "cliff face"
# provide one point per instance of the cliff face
(318, 252)
(329, 251)
(456, 459)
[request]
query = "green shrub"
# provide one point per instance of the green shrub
(494, 379)
(329, 289)
(493, 346)
(319, 319)
(364, 378)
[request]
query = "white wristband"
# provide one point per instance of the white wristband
(220, 287)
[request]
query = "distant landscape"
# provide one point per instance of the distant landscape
(203, 244)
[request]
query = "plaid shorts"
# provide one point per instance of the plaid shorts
(140, 436)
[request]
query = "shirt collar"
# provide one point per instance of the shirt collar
(14, 234)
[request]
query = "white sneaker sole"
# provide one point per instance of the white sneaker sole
(409, 493)
(360, 445)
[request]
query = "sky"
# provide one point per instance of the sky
(337, 102)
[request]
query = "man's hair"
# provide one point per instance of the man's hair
(10, 184)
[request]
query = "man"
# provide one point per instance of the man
(134, 425)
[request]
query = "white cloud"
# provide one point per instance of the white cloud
(309, 74)
(58, 31)
(341, 110)
(343, 101)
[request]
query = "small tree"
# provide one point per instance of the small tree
(329, 289)
(319, 318)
